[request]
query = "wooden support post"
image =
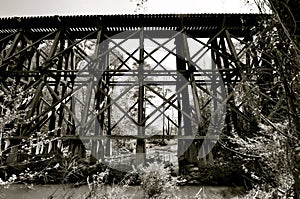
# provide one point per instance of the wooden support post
(215, 65)
(234, 116)
(53, 117)
(191, 69)
(34, 105)
(108, 151)
(55, 44)
(63, 90)
(227, 78)
(103, 97)
(97, 146)
(140, 145)
(183, 102)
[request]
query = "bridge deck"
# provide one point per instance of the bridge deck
(198, 25)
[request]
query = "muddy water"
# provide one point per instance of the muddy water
(135, 192)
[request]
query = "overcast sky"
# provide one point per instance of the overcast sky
(73, 7)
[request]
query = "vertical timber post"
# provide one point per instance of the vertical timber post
(140, 145)
(97, 146)
(183, 102)
(229, 112)
(192, 154)
(108, 101)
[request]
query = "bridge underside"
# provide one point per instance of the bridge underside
(112, 79)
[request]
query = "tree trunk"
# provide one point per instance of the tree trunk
(289, 14)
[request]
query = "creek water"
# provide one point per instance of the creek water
(134, 192)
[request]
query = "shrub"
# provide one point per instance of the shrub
(157, 182)
(99, 189)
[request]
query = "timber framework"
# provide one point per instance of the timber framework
(54, 58)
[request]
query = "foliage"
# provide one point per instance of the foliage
(140, 5)
(266, 192)
(279, 50)
(157, 182)
(98, 188)
(13, 97)
(275, 56)
(272, 168)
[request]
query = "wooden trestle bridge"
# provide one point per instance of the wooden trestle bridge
(72, 74)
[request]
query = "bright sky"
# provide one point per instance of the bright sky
(77, 7)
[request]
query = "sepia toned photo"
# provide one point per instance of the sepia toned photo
(113, 99)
